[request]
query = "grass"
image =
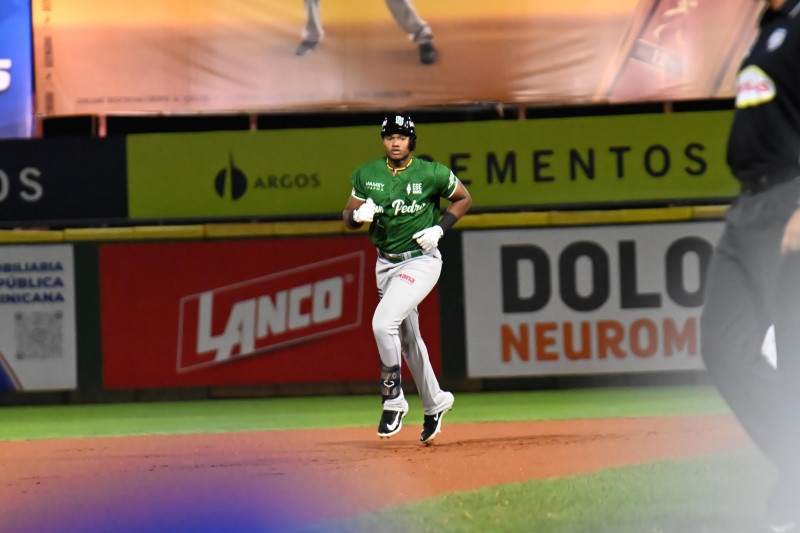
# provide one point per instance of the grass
(216, 416)
(721, 493)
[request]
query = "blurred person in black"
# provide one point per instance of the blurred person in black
(753, 280)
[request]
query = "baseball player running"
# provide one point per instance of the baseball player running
(399, 196)
(403, 12)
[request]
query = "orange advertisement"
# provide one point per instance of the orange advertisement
(155, 56)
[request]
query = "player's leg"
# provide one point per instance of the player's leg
(420, 32)
(402, 287)
(406, 16)
(390, 355)
(433, 398)
(394, 402)
(410, 283)
(312, 32)
(742, 299)
(385, 324)
(784, 504)
(435, 401)
(733, 324)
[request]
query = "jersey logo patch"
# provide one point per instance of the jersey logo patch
(755, 87)
(415, 188)
(374, 185)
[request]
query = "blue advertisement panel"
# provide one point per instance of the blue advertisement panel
(16, 64)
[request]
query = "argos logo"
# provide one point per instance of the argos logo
(230, 181)
(260, 315)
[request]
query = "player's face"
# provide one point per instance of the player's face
(397, 146)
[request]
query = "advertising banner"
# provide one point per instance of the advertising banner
(533, 163)
(68, 179)
(591, 300)
(16, 69)
(37, 318)
(231, 55)
(680, 49)
(243, 312)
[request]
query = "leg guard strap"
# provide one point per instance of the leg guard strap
(390, 382)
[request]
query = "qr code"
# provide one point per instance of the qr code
(39, 334)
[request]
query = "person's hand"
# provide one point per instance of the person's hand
(365, 212)
(429, 237)
(791, 235)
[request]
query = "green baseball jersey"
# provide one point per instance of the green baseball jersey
(405, 203)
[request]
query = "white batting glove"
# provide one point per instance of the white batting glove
(428, 238)
(366, 212)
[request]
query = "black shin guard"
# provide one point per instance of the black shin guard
(390, 382)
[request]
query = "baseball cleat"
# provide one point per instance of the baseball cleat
(391, 422)
(427, 54)
(433, 423)
(304, 47)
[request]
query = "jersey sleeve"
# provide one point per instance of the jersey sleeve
(358, 186)
(446, 181)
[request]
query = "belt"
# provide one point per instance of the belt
(765, 181)
(397, 258)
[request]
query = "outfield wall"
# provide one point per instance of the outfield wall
(285, 308)
(215, 263)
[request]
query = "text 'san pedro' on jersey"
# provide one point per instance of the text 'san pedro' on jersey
(755, 87)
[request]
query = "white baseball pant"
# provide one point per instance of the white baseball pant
(402, 286)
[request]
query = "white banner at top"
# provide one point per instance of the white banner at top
(126, 56)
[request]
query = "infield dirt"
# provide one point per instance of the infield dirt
(299, 477)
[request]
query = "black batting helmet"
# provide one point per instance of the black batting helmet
(401, 124)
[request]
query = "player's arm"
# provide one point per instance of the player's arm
(460, 202)
(358, 211)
